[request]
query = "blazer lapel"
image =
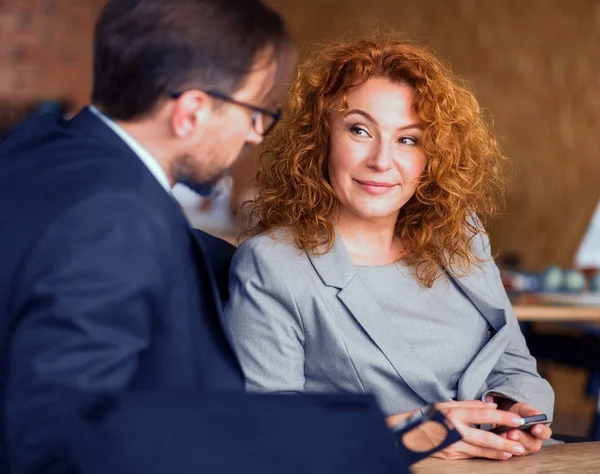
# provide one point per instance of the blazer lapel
(474, 377)
(203, 263)
(336, 269)
(209, 279)
(478, 291)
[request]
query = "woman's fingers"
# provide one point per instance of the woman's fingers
(488, 453)
(541, 432)
(464, 417)
(464, 404)
(524, 409)
(538, 432)
(529, 442)
(487, 440)
(394, 420)
(464, 450)
(483, 416)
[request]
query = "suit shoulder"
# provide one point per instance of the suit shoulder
(271, 245)
(213, 243)
(481, 247)
(271, 252)
(219, 251)
(110, 208)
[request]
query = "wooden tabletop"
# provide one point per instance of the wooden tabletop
(547, 313)
(557, 307)
(577, 458)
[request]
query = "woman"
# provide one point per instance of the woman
(368, 268)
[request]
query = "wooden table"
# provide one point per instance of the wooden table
(559, 314)
(560, 308)
(577, 458)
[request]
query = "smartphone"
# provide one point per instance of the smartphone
(528, 423)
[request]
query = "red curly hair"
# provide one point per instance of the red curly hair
(463, 176)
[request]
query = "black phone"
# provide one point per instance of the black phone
(528, 423)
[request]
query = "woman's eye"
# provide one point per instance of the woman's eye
(408, 140)
(359, 131)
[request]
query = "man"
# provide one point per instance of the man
(112, 356)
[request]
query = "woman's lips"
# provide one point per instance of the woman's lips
(375, 187)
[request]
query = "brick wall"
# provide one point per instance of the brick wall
(45, 49)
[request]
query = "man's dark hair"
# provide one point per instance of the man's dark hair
(146, 49)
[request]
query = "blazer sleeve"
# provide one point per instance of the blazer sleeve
(515, 375)
(86, 300)
(263, 321)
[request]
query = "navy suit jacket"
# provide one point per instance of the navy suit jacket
(105, 289)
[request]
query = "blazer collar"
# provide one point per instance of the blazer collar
(337, 270)
(90, 125)
(144, 155)
(103, 130)
(87, 122)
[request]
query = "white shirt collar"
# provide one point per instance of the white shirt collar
(157, 171)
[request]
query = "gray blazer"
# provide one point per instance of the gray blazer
(304, 323)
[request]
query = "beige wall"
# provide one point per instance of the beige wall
(533, 63)
(536, 65)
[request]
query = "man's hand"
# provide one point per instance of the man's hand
(532, 442)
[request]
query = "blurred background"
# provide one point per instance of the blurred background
(533, 64)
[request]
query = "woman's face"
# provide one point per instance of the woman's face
(375, 158)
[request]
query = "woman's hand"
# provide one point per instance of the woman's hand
(532, 442)
(475, 442)
(400, 417)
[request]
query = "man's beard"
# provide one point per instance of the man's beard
(212, 189)
(214, 186)
(203, 189)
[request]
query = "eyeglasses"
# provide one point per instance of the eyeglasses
(424, 433)
(263, 120)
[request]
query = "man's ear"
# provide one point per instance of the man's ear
(191, 110)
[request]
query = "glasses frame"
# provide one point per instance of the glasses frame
(430, 413)
(257, 110)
